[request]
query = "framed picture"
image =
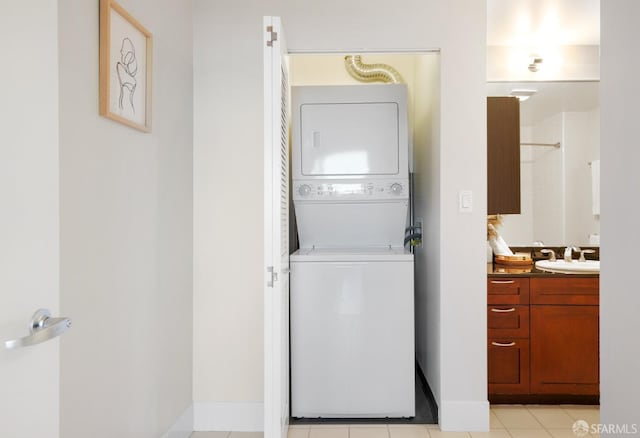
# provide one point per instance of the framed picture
(126, 48)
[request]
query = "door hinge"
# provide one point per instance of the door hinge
(273, 36)
(273, 276)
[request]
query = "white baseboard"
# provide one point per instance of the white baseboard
(238, 417)
(183, 426)
(456, 416)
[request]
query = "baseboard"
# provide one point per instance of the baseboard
(183, 427)
(238, 417)
(456, 416)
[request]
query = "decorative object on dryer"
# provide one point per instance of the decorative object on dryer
(125, 67)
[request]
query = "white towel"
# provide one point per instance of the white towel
(595, 186)
(498, 244)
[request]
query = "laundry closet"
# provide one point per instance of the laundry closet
(354, 228)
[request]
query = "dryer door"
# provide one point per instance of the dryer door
(349, 138)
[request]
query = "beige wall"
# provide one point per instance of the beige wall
(126, 234)
(228, 196)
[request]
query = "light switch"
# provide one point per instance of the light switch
(465, 198)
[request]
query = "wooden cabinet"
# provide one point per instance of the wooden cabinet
(564, 336)
(508, 331)
(503, 155)
(543, 338)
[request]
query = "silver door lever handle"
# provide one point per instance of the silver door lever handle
(41, 329)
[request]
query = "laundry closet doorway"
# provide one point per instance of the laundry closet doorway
(420, 69)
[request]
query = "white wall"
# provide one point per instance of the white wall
(620, 179)
(549, 188)
(582, 146)
(126, 234)
(228, 150)
(29, 215)
(427, 198)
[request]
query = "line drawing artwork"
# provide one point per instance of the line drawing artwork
(126, 52)
(127, 68)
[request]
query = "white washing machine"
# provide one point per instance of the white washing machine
(352, 317)
(352, 333)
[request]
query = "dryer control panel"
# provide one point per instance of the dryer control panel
(350, 190)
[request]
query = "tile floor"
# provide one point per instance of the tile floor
(507, 421)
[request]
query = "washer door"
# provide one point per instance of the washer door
(352, 339)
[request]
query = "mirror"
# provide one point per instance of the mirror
(559, 185)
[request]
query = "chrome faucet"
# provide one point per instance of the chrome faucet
(568, 252)
(552, 256)
(583, 252)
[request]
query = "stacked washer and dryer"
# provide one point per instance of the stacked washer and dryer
(352, 311)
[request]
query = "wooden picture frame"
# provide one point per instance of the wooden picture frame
(126, 49)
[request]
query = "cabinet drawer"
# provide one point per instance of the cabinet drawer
(508, 290)
(508, 321)
(508, 366)
(565, 290)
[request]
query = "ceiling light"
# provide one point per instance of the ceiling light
(522, 94)
(534, 63)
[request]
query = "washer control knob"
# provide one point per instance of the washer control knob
(304, 190)
(396, 188)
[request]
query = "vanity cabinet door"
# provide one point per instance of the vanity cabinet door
(503, 155)
(508, 366)
(564, 349)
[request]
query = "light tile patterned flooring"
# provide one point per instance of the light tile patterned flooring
(507, 421)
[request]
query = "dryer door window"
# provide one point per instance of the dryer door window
(349, 139)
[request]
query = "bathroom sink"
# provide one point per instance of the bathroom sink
(574, 267)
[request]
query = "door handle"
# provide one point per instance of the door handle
(42, 328)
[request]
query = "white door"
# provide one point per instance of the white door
(276, 211)
(29, 225)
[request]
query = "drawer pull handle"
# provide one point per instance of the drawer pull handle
(513, 309)
(502, 281)
(500, 344)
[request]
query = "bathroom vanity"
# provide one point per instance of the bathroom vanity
(543, 344)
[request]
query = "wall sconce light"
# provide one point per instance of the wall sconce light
(534, 63)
